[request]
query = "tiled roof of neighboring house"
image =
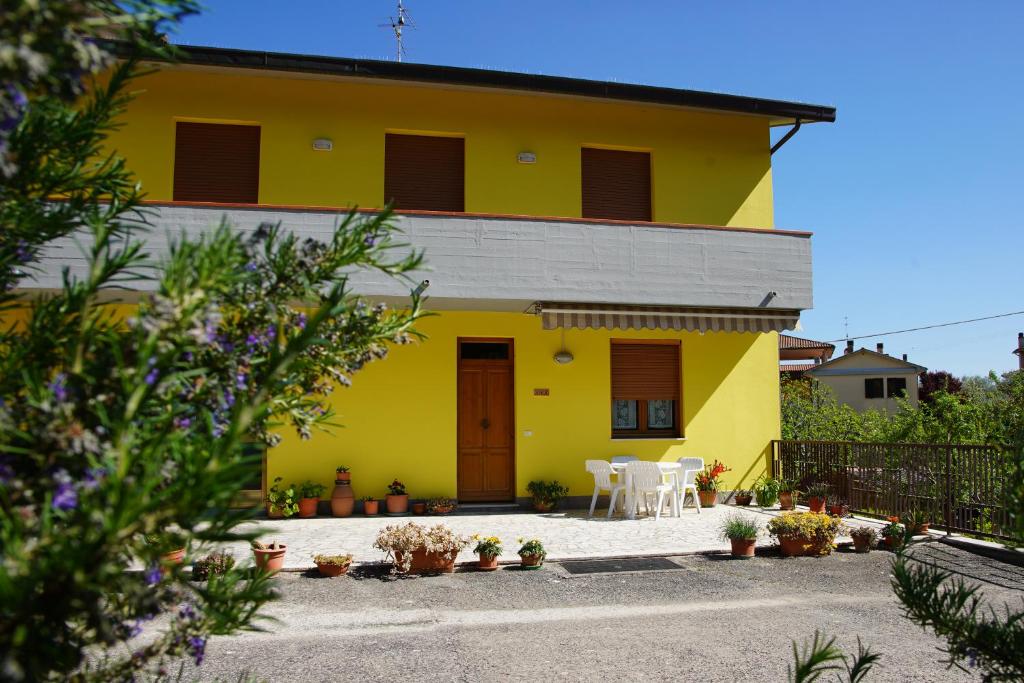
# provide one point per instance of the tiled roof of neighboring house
(795, 367)
(787, 341)
(779, 112)
(899, 366)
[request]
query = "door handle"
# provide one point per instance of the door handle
(485, 423)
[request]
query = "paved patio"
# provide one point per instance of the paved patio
(566, 535)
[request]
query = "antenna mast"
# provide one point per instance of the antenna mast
(398, 24)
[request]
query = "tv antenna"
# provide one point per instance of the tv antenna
(398, 24)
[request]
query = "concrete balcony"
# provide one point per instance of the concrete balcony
(508, 262)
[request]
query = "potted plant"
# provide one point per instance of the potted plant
(894, 534)
(488, 548)
(371, 506)
(707, 483)
(546, 494)
(864, 538)
(767, 490)
(917, 522)
(742, 497)
(269, 558)
(342, 473)
(171, 547)
(441, 506)
(419, 508)
(531, 553)
(787, 494)
(839, 508)
(343, 499)
(412, 547)
(397, 500)
(817, 496)
(805, 533)
(309, 498)
(332, 565)
(742, 534)
(282, 502)
(217, 563)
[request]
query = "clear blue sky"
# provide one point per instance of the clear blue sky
(915, 195)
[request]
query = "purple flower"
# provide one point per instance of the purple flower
(22, 252)
(58, 389)
(300, 321)
(92, 478)
(135, 629)
(228, 347)
(182, 422)
(271, 332)
(153, 575)
(229, 398)
(65, 498)
(187, 611)
(152, 376)
(240, 381)
(197, 644)
(188, 357)
(370, 240)
(252, 341)
(251, 266)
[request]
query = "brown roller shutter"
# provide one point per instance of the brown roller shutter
(645, 371)
(616, 184)
(216, 162)
(424, 173)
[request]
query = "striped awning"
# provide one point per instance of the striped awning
(556, 315)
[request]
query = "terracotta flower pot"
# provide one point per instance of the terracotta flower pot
(332, 569)
(892, 542)
(173, 557)
(794, 546)
(487, 563)
(274, 512)
(816, 505)
(839, 509)
(708, 498)
(307, 507)
(442, 510)
(371, 507)
(342, 476)
(861, 545)
(428, 563)
(744, 500)
(543, 505)
(397, 505)
(270, 560)
(786, 500)
(342, 499)
(922, 529)
(531, 560)
(419, 508)
(742, 547)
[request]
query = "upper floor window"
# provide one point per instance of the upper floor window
(424, 172)
(616, 184)
(874, 387)
(215, 162)
(896, 386)
(645, 389)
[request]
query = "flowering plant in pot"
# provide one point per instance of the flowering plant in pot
(864, 538)
(309, 497)
(371, 506)
(441, 506)
(171, 547)
(742, 534)
(839, 508)
(916, 521)
(546, 494)
(787, 494)
(742, 497)
(488, 548)
(217, 563)
(707, 483)
(805, 533)
(332, 565)
(767, 490)
(269, 557)
(412, 547)
(531, 553)
(894, 534)
(397, 500)
(342, 473)
(817, 495)
(282, 501)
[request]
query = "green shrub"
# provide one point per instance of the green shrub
(548, 492)
(308, 489)
(739, 527)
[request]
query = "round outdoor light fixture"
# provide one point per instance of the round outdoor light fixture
(563, 357)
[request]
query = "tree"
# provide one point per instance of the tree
(121, 437)
(934, 381)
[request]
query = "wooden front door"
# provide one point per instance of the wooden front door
(486, 421)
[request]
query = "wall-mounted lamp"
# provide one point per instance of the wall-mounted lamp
(526, 158)
(563, 356)
(323, 145)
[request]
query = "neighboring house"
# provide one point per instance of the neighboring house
(631, 226)
(869, 380)
(797, 355)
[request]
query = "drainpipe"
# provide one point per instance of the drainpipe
(785, 138)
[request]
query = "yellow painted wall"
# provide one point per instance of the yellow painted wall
(400, 413)
(708, 168)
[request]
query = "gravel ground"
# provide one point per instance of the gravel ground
(709, 619)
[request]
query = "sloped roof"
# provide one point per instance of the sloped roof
(796, 367)
(837, 363)
(787, 341)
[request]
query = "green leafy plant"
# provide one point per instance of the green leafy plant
(368, 499)
(739, 527)
(818, 489)
(547, 492)
(866, 534)
(487, 546)
(787, 486)
(820, 657)
(215, 564)
(309, 489)
(341, 469)
(283, 499)
(532, 548)
(767, 491)
(915, 520)
(894, 530)
(396, 488)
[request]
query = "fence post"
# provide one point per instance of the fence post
(948, 512)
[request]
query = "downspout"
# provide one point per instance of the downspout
(785, 138)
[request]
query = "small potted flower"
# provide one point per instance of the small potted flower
(171, 547)
(282, 501)
(371, 506)
(707, 483)
(332, 565)
(488, 548)
(817, 496)
(787, 494)
(397, 500)
(839, 508)
(419, 507)
(342, 473)
(742, 497)
(416, 548)
(269, 557)
(864, 538)
(546, 494)
(894, 534)
(531, 553)
(217, 563)
(917, 522)
(309, 498)
(441, 506)
(742, 534)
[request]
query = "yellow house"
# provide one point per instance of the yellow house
(602, 256)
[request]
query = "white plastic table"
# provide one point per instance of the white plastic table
(620, 469)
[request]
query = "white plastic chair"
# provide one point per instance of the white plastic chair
(648, 479)
(620, 476)
(603, 472)
(686, 481)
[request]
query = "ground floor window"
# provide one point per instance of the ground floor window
(645, 388)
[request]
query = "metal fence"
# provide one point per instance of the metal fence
(961, 488)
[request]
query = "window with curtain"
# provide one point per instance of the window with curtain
(645, 389)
